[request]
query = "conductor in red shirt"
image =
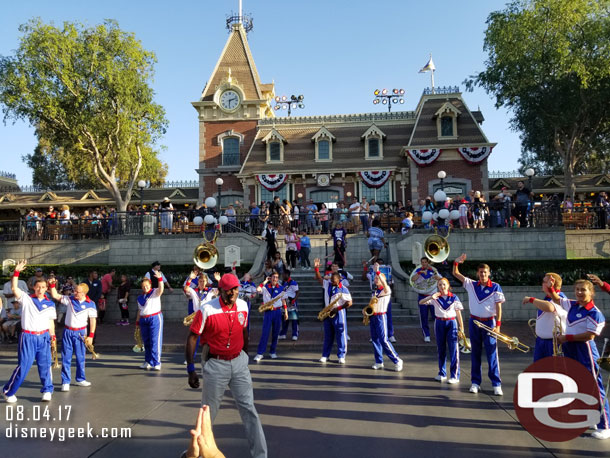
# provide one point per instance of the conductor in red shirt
(222, 324)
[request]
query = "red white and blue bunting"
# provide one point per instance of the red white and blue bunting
(375, 179)
(272, 182)
(475, 155)
(424, 157)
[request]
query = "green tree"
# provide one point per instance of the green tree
(86, 90)
(549, 62)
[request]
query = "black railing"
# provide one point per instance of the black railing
(473, 216)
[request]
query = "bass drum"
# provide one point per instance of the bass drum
(424, 286)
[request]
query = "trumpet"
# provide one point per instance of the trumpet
(269, 304)
(464, 342)
(369, 310)
(54, 355)
(91, 348)
(139, 346)
(512, 342)
(329, 311)
(557, 351)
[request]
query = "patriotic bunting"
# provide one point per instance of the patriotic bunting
(375, 179)
(475, 155)
(424, 157)
(272, 182)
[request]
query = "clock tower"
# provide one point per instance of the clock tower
(232, 102)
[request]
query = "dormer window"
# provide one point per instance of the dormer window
(275, 146)
(275, 151)
(446, 121)
(373, 143)
(323, 140)
(230, 142)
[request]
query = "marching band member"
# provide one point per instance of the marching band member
(221, 323)
(335, 327)
(425, 271)
(583, 323)
(447, 309)
(247, 292)
(150, 320)
(37, 336)
(346, 277)
(379, 325)
(387, 271)
(193, 284)
(199, 293)
(548, 318)
(485, 300)
(291, 287)
(272, 319)
(80, 311)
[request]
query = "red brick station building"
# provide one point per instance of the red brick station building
(329, 158)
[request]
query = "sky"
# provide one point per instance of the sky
(335, 53)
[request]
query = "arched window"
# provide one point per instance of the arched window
(230, 151)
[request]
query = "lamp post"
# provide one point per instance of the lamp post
(219, 182)
(292, 103)
(441, 175)
(529, 173)
(300, 196)
(386, 98)
(141, 186)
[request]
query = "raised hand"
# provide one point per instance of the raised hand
(595, 279)
(217, 276)
(193, 275)
(158, 274)
(21, 265)
(525, 300)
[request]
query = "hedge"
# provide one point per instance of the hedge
(531, 272)
(175, 273)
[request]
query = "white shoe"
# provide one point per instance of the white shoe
(474, 388)
(427, 339)
(377, 366)
(281, 337)
(498, 391)
(184, 362)
(273, 355)
(83, 383)
(600, 434)
(392, 339)
(257, 358)
(10, 399)
(440, 378)
(398, 365)
(145, 366)
(323, 359)
(47, 396)
(349, 338)
(295, 338)
(65, 387)
(341, 361)
(157, 367)
(453, 381)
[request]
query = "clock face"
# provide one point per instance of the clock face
(229, 100)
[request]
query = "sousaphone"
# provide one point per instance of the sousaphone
(205, 255)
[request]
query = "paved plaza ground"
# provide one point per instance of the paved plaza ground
(307, 409)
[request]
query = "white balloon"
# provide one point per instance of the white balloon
(223, 220)
(198, 220)
(454, 214)
(426, 216)
(209, 219)
(440, 196)
(210, 202)
(444, 213)
(434, 216)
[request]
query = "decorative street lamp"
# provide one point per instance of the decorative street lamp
(385, 98)
(141, 186)
(441, 175)
(283, 102)
(529, 173)
(219, 182)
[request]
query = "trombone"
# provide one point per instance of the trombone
(512, 342)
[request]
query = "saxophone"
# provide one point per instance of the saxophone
(369, 310)
(188, 320)
(329, 311)
(269, 304)
(91, 348)
(139, 346)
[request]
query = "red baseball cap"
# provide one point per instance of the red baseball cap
(228, 282)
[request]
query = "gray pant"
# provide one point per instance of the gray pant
(217, 375)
